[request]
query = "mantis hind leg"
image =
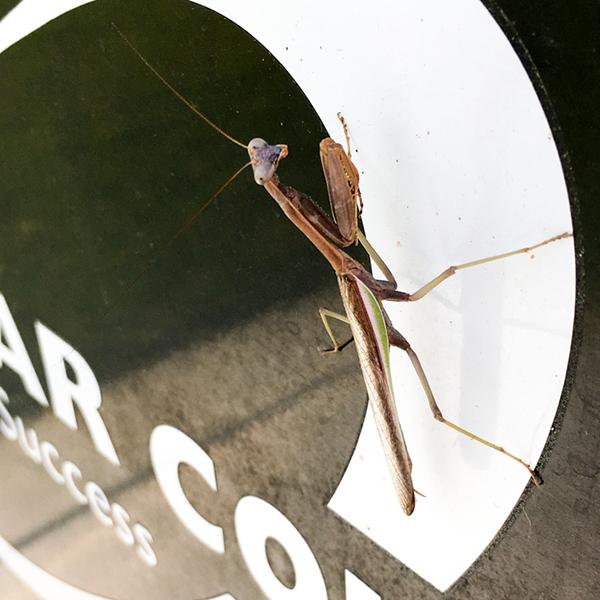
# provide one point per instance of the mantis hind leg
(326, 314)
(424, 290)
(397, 339)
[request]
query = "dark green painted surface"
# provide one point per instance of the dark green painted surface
(102, 165)
(6, 6)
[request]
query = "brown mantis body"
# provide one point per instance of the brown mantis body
(362, 294)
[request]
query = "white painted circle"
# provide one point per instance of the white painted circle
(458, 162)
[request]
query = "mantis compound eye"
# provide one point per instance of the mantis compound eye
(265, 159)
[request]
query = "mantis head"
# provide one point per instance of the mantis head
(265, 159)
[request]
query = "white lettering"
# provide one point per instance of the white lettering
(49, 452)
(256, 521)
(45, 453)
(28, 441)
(7, 423)
(121, 518)
(169, 448)
(144, 548)
(99, 504)
(15, 356)
(70, 471)
(64, 393)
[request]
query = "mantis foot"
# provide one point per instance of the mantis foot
(338, 348)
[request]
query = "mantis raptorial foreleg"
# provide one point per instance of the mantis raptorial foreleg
(346, 134)
(424, 290)
(398, 340)
(349, 152)
(376, 258)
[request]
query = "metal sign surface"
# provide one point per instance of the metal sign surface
(164, 405)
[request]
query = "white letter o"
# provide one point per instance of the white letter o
(256, 521)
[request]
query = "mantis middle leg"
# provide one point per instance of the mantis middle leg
(398, 340)
(424, 290)
(325, 315)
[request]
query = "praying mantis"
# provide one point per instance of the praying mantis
(362, 294)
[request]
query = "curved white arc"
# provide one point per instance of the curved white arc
(46, 586)
(40, 582)
(29, 15)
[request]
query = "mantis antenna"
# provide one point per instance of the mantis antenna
(187, 224)
(174, 91)
(194, 216)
